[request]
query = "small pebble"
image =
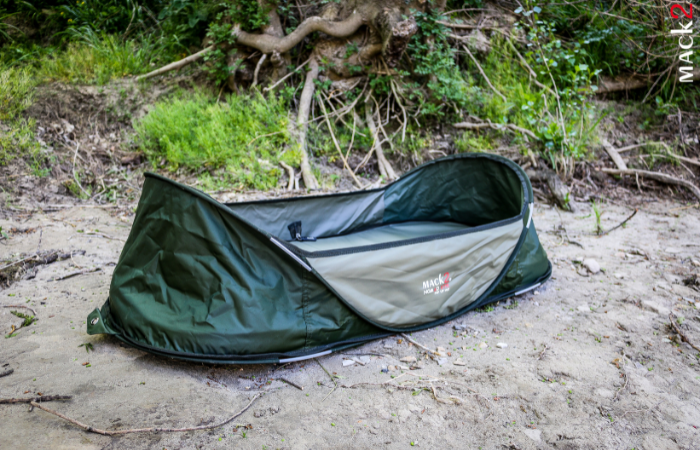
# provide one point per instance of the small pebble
(592, 265)
(501, 345)
(348, 362)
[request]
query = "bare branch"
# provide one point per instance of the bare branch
(177, 64)
(662, 177)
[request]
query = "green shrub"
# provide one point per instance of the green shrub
(469, 142)
(16, 89)
(246, 135)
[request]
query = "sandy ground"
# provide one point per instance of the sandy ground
(557, 384)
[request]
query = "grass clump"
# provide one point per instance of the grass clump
(16, 133)
(96, 59)
(245, 135)
(16, 89)
(469, 142)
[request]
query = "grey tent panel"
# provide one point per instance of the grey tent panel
(422, 282)
(322, 216)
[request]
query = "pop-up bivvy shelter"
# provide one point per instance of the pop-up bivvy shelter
(282, 280)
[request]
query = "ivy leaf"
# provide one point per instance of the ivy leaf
(519, 10)
(537, 9)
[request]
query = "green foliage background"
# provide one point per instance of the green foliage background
(568, 45)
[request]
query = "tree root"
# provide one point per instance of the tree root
(384, 166)
(337, 146)
(307, 95)
(290, 172)
(272, 44)
(90, 429)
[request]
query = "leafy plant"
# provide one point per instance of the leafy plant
(598, 213)
(28, 320)
(217, 59)
(248, 13)
(88, 347)
(245, 137)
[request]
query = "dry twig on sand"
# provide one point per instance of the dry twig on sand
(620, 224)
(677, 329)
(20, 306)
(335, 384)
(76, 273)
(143, 430)
(43, 398)
(291, 383)
(419, 345)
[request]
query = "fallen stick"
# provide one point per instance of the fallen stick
(684, 207)
(335, 384)
(419, 345)
(495, 126)
(684, 338)
(630, 147)
(465, 26)
(90, 429)
(621, 223)
(20, 306)
(49, 258)
(291, 383)
(614, 155)
(662, 177)
(43, 398)
(102, 235)
(6, 373)
(79, 206)
(483, 74)
(683, 158)
(74, 274)
(177, 64)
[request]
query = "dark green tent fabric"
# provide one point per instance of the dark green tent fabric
(228, 283)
